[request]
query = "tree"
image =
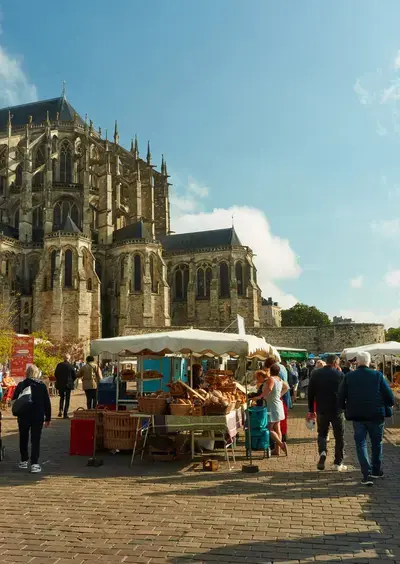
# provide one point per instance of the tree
(392, 334)
(8, 315)
(302, 315)
(49, 353)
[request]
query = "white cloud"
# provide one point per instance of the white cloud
(275, 259)
(197, 189)
(15, 87)
(389, 228)
(379, 92)
(186, 197)
(388, 318)
(357, 282)
(364, 95)
(392, 278)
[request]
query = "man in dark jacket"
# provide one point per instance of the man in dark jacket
(367, 399)
(323, 391)
(31, 421)
(65, 377)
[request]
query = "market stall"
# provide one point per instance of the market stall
(183, 409)
(389, 349)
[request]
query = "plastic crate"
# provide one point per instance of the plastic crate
(82, 437)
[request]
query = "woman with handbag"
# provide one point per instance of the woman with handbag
(33, 408)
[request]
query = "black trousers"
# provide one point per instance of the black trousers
(337, 422)
(91, 398)
(65, 398)
(25, 427)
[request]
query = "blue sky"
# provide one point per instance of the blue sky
(285, 111)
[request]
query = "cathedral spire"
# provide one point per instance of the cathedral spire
(107, 148)
(163, 165)
(64, 90)
(132, 147)
(148, 153)
(9, 125)
(136, 150)
(116, 134)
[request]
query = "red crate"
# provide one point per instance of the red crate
(82, 437)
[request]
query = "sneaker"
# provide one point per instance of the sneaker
(66, 416)
(60, 414)
(23, 465)
(35, 469)
(321, 461)
(340, 467)
(367, 481)
(377, 475)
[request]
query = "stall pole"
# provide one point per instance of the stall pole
(391, 367)
(191, 385)
(248, 468)
(95, 461)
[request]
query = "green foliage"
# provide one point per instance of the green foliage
(302, 315)
(49, 353)
(8, 314)
(392, 334)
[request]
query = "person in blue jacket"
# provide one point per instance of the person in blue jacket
(366, 398)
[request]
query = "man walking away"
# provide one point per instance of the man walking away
(65, 377)
(323, 390)
(91, 376)
(367, 399)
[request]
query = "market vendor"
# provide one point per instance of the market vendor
(197, 379)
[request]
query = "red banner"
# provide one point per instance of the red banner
(22, 356)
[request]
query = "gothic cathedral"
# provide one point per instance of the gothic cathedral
(86, 247)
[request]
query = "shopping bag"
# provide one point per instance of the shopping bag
(23, 404)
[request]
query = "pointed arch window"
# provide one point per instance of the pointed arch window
(89, 285)
(40, 159)
(239, 278)
(16, 218)
(74, 214)
(137, 273)
(66, 162)
(181, 281)
(201, 283)
(53, 258)
(122, 268)
(153, 274)
(204, 277)
(98, 268)
(3, 171)
(37, 217)
(68, 269)
(224, 280)
(18, 175)
(62, 210)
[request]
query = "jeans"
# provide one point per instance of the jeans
(35, 428)
(65, 397)
(375, 431)
(91, 398)
(337, 422)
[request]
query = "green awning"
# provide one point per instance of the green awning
(294, 355)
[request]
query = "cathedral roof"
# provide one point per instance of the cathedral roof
(69, 226)
(200, 240)
(38, 111)
(136, 230)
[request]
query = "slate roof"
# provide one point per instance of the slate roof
(136, 230)
(38, 111)
(200, 240)
(69, 226)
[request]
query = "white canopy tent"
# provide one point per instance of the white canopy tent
(383, 349)
(188, 341)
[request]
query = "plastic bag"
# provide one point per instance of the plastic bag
(311, 424)
(23, 403)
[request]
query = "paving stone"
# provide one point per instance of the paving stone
(168, 512)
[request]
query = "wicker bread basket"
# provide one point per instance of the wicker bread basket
(119, 430)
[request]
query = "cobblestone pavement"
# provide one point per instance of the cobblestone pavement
(173, 512)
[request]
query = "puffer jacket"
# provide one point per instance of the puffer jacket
(90, 374)
(365, 395)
